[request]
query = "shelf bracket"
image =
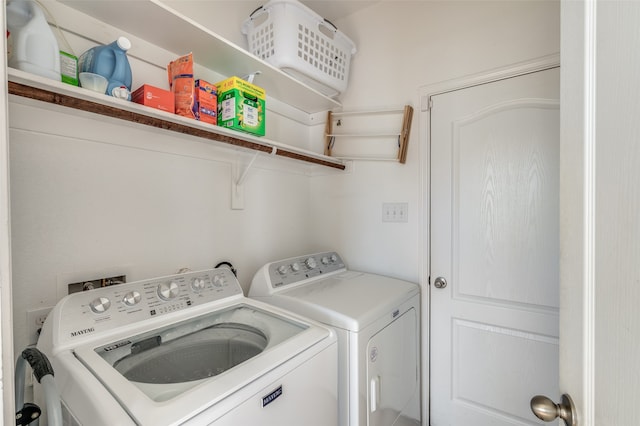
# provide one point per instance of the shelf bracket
(237, 185)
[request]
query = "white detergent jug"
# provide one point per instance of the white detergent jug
(34, 47)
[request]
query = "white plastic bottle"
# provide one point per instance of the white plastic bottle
(34, 46)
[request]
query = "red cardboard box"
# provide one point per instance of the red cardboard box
(205, 105)
(154, 97)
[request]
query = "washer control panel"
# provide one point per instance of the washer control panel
(297, 269)
(107, 308)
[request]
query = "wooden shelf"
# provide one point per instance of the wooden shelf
(151, 19)
(52, 92)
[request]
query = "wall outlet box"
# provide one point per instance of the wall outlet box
(96, 283)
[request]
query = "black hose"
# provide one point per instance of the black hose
(38, 361)
(225, 263)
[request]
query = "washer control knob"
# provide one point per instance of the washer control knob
(132, 298)
(218, 280)
(168, 291)
(326, 260)
(100, 305)
(282, 269)
(311, 263)
(295, 266)
(197, 284)
(334, 258)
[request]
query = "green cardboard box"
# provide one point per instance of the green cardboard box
(241, 106)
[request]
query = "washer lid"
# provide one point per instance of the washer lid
(167, 361)
(350, 300)
(170, 374)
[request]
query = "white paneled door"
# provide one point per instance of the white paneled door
(494, 250)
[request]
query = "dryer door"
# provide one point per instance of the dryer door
(392, 372)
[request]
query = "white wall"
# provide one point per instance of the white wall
(81, 205)
(83, 208)
(93, 198)
(403, 45)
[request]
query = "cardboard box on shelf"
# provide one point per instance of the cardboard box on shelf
(205, 105)
(241, 106)
(154, 97)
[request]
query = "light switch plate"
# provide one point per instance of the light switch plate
(395, 212)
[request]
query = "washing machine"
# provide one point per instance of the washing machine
(377, 320)
(188, 349)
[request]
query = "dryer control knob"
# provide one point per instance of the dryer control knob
(282, 269)
(311, 263)
(168, 291)
(100, 305)
(325, 260)
(132, 298)
(295, 266)
(197, 284)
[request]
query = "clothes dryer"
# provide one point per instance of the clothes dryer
(377, 320)
(188, 349)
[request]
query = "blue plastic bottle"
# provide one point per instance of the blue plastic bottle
(111, 62)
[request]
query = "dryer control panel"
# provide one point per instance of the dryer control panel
(288, 272)
(91, 312)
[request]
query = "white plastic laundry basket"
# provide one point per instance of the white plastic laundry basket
(292, 37)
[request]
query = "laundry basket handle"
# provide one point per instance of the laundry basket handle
(256, 9)
(253, 21)
(331, 23)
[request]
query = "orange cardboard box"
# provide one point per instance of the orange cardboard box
(205, 105)
(154, 97)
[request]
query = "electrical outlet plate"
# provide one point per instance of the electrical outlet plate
(395, 212)
(35, 320)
